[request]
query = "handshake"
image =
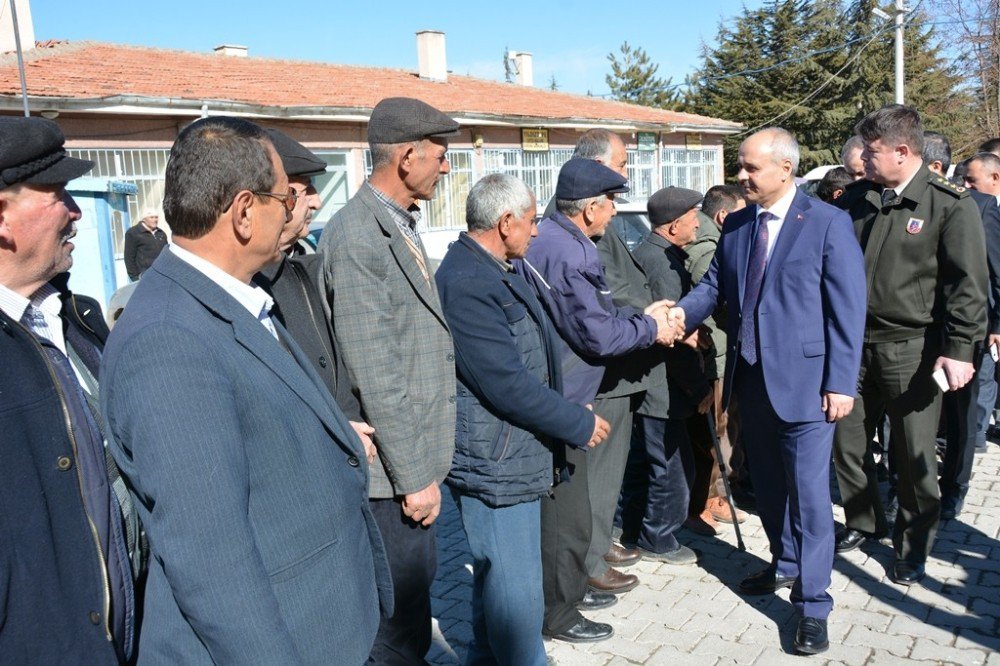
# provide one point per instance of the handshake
(669, 321)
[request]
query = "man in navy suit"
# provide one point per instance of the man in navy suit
(250, 482)
(790, 272)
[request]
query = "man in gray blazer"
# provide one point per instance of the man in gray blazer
(248, 478)
(396, 345)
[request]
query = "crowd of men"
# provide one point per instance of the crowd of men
(249, 467)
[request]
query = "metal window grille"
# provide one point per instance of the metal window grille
(693, 169)
(447, 209)
(641, 173)
(539, 171)
(333, 186)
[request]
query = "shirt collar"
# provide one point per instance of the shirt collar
(45, 299)
(412, 213)
(250, 296)
(780, 208)
(906, 183)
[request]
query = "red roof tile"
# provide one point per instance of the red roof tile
(92, 70)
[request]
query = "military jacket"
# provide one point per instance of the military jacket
(925, 262)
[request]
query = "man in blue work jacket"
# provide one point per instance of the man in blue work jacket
(563, 267)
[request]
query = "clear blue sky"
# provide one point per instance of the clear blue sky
(569, 40)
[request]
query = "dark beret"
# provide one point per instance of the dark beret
(670, 203)
(296, 159)
(402, 119)
(582, 178)
(31, 151)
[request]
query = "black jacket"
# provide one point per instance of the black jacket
(52, 590)
(142, 247)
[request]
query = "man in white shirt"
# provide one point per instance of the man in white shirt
(251, 483)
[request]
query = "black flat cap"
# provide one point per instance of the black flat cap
(670, 203)
(402, 119)
(296, 159)
(31, 151)
(581, 178)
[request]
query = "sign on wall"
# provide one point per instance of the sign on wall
(692, 141)
(534, 139)
(646, 140)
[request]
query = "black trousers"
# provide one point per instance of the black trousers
(961, 417)
(405, 638)
(566, 532)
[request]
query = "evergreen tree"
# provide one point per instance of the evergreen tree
(633, 79)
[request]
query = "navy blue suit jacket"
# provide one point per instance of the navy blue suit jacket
(812, 305)
(251, 484)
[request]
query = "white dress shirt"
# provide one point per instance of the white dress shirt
(778, 212)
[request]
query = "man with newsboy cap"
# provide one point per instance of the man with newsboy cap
(660, 466)
(66, 592)
(564, 269)
(396, 345)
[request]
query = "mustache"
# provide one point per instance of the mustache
(68, 232)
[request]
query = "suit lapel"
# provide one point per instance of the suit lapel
(790, 230)
(426, 289)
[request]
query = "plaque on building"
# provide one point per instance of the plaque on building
(534, 140)
(692, 141)
(646, 140)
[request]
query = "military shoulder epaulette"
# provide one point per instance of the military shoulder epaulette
(946, 185)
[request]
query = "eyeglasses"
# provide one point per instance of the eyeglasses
(288, 200)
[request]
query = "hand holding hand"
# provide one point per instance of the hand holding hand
(958, 373)
(658, 305)
(365, 432)
(836, 406)
(424, 505)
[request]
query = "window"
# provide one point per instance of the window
(693, 169)
(447, 209)
(641, 173)
(333, 186)
(539, 170)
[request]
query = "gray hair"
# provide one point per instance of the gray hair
(573, 207)
(855, 142)
(492, 197)
(383, 153)
(937, 149)
(596, 144)
(989, 161)
(783, 146)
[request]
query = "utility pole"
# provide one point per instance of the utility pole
(900, 13)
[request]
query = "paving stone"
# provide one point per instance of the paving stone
(851, 654)
(668, 655)
(908, 626)
(619, 646)
(729, 650)
(899, 645)
(661, 635)
(566, 654)
(967, 639)
(775, 656)
(924, 648)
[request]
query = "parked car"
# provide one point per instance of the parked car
(631, 222)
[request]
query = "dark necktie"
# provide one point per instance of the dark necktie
(751, 291)
(888, 196)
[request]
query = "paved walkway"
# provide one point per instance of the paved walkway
(692, 615)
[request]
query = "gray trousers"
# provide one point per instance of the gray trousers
(606, 468)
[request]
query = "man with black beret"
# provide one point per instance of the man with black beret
(395, 342)
(66, 592)
(564, 269)
(661, 468)
(294, 282)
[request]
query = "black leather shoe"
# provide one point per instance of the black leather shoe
(585, 631)
(765, 582)
(849, 539)
(951, 507)
(810, 637)
(906, 573)
(597, 600)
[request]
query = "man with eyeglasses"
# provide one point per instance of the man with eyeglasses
(249, 480)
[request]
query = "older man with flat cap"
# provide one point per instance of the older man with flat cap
(565, 271)
(661, 468)
(397, 347)
(66, 593)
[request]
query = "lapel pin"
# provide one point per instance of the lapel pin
(914, 225)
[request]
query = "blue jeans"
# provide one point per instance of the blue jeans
(986, 377)
(507, 604)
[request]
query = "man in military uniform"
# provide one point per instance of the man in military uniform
(925, 263)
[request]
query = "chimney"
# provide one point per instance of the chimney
(522, 65)
(24, 27)
(431, 60)
(233, 50)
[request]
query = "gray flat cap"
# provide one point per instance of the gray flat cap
(402, 119)
(670, 203)
(296, 159)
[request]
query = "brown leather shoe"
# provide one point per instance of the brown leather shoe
(718, 507)
(620, 556)
(613, 581)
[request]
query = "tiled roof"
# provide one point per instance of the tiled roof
(96, 71)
